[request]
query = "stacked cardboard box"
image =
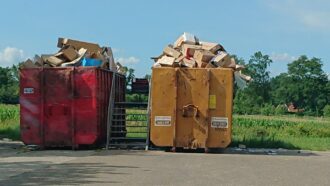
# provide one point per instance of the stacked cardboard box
(76, 53)
(188, 51)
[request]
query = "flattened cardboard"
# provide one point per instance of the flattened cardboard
(203, 56)
(120, 68)
(91, 47)
(245, 77)
(38, 61)
(212, 47)
(228, 63)
(189, 63)
(171, 52)
(47, 65)
(178, 42)
(44, 57)
(54, 61)
(189, 50)
(240, 82)
(28, 64)
(166, 61)
(179, 59)
(97, 55)
(222, 59)
(109, 57)
(232, 64)
(186, 38)
(239, 67)
(158, 57)
(70, 53)
(75, 62)
(58, 54)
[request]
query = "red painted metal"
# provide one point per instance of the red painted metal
(66, 106)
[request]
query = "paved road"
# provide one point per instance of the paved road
(234, 167)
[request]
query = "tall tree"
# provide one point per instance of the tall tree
(257, 68)
(305, 84)
(280, 86)
(130, 75)
(9, 85)
(250, 99)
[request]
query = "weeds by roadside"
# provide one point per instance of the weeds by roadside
(256, 131)
(9, 122)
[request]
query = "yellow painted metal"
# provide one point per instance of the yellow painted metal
(191, 107)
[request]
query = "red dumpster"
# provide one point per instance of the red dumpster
(66, 106)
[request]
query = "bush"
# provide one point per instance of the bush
(8, 112)
(326, 111)
(308, 112)
(136, 98)
(280, 110)
(267, 110)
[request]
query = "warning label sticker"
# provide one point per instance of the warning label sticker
(219, 122)
(164, 121)
(28, 90)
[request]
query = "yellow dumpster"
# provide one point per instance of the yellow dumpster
(191, 107)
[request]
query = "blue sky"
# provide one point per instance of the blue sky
(138, 30)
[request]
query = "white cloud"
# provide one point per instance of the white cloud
(127, 61)
(316, 19)
(311, 14)
(10, 56)
(282, 57)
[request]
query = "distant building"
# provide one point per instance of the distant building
(140, 85)
(293, 108)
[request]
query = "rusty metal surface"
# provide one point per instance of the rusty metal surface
(190, 107)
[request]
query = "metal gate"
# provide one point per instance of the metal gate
(128, 123)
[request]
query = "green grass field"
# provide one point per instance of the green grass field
(288, 132)
(9, 121)
(137, 127)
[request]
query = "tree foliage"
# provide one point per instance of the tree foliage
(252, 98)
(129, 74)
(9, 85)
(305, 85)
(326, 111)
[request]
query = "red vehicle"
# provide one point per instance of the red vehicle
(66, 106)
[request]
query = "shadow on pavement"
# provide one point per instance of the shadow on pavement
(47, 173)
(272, 152)
(248, 151)
(17, 149)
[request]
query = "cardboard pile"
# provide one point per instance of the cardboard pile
(188, 51)
(76, 53)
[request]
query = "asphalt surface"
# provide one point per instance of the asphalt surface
(20, 166)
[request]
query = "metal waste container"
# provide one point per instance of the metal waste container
(191, 107)
(66, 106)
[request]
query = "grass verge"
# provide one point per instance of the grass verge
(281, 132)
(10, 129)
(9, 122)
(288, 132)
